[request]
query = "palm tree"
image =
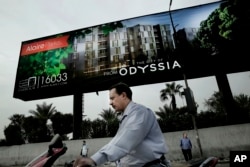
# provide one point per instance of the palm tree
(62, 123)
(43, 113)
(173, 120)
(15, 133)
(108, 115)
(215, 103)
(243, 101)
(98, 128)
(169, 92)
(164, 112)
(87, 130)
(112, 122)
(17, 119)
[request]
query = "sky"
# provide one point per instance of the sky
(28, 19)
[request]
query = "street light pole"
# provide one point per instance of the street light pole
(172, 23)
(193, 109)
(188, 92)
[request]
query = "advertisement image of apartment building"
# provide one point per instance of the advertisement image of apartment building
(97, 52)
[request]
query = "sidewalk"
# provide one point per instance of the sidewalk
(174, 164)
(221, 163)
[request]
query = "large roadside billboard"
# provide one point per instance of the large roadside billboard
(138, 51)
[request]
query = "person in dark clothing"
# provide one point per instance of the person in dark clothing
(186, 147)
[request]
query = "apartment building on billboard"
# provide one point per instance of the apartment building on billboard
(119, 48)
(90, 53)
(96, 52)
(163, 40)
(186, 35)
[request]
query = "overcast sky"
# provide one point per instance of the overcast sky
(28, 19)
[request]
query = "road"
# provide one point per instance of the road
(173, 164)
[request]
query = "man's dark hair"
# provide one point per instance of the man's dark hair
(122, 87)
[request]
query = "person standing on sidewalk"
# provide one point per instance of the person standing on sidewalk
(84, 150)
(186, 147)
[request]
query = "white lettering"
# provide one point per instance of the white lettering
(161, 66)
(243, 157)
(143, 68)
(237, 158)
(152, 68)
(112, 72)
(176, 64)
(240, 158)
(168, 65)
(123, 73)
(132, 70)
(35, 47)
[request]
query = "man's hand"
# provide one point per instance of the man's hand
(83, 162)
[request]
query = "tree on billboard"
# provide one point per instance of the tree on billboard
(107, 28)
(226, 24)
(43, 63)
(223, 33)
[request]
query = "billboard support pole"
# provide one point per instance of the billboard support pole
(77, 116)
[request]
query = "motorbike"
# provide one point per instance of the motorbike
(56, 148)
(205, 162)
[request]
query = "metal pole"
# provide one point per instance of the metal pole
(193, 117)
(77, 116)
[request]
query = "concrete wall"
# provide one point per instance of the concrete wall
(217, 141)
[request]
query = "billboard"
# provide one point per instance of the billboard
(143, 50)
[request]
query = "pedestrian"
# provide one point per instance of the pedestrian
(84, 150)
(139, 141)
(186, 147)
